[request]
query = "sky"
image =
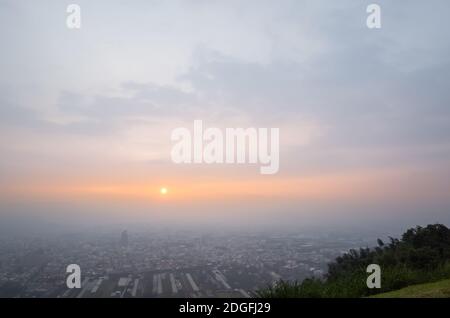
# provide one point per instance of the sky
(364, 114)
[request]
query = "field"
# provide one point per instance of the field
(440, 289)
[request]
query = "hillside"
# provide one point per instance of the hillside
(440, 289)
(420, 256)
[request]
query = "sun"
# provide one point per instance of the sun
(163, 191)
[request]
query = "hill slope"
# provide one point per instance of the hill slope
(440, 289)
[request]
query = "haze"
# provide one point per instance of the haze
(86, 115)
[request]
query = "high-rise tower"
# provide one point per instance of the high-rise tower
(124, 238)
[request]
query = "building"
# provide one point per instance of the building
(124, 239)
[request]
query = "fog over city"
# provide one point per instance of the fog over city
(87, 115)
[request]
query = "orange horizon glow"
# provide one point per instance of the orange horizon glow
(351, 186)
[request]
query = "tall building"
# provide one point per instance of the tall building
(124, 238)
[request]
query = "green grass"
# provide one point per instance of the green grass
(440, 289)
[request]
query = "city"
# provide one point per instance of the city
(157, 264)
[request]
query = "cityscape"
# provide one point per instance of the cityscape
(157, 264)
(194, 151)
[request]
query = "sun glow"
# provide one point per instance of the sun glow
(163, 191)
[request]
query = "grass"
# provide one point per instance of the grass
(440, 289)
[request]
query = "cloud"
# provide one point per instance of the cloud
(311, 67)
